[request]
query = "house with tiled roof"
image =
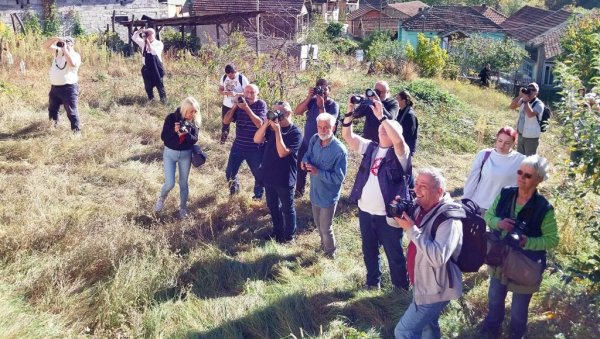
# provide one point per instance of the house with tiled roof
(539, 31)
(371, 17)
(448, 23)
(285, 19)
(490, 13)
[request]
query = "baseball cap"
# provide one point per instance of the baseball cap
(534, 85)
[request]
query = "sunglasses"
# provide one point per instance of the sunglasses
(525, 175)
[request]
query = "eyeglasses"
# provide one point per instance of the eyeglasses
(525, 175)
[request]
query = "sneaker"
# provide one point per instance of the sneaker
(224, 136)
(183, 213)
(160, 203)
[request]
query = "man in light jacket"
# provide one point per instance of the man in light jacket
(435, 278)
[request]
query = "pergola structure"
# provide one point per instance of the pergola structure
(198, 20)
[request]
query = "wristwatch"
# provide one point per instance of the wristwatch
(382, 119)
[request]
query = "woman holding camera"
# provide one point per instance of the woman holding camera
(179, 134)
(537, 232)
(492, 169)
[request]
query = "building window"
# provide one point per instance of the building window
(548, 74)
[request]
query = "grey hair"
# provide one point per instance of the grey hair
(253, 86)
(539, 165)
(436, 175)
(326, 117)
(385, 85)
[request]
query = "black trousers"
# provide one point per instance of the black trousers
(65, 95)
(151, 81)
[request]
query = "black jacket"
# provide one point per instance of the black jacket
(170, 137)
(410, 127)
(390, 110)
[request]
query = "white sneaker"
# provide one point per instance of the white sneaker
(183, 213)
(160, 203)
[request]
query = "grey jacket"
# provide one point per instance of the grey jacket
(432, 284)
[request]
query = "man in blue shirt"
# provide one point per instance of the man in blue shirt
(325, 160)
(317, 101)
(250, 113)
(278, 169)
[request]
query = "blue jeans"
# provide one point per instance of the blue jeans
(171, 158)
(375, 231)
(236, 158)
(519, 310)
(420, 321)
(280, 201)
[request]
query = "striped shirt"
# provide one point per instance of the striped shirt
(245, 130)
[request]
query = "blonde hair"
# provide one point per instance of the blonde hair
(191, 103)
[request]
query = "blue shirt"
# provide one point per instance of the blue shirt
(310, 128)
(245, 128)
(330, 162)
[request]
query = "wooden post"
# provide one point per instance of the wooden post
(257, 32)
(113, 20)
(130, 35)
(182, 29)
(218, 36)
(12, 18)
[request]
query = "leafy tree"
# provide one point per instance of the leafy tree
(78, 29)
(579, 44)
(334, 30)
(51, 21)
(476, 51)
(429, 56)
(31, 22)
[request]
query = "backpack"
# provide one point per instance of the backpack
(239, 78)
(474, 246)
(546, 115)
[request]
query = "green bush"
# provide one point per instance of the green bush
(334, 30)
(78, 29)
(52, 21)
(344, 46)
(31, 22)
(172, 39)
(429, 56)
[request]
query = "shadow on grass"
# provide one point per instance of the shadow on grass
(147, 158)
(313, 313)
(130, 100)
(34, 130)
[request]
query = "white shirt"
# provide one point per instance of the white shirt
(499, 170)
(61, 73)
(232, 85)
(371, 198)
(156, 46)
(527, 126)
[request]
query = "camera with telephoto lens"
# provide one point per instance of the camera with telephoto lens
(241, 100)
(60, 44)
(514, 237)
(396, 208)
(184, 126)
(364, 103)
(525, 91)
(275, 115)
(319, 90)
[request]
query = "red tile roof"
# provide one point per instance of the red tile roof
(362, 10)
(450, 18)
(551, 41)
(288, 7)
(490, 13)
(410, 8)
(529, 22)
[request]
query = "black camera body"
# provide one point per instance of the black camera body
(525, 91)
(364, 103)
(60, 44)
(513, 237)
(275, 115)
(370, 93)
(241, 100)
(397, 208)
(319, 90)
(185, 126)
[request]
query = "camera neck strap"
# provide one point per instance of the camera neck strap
(56, 63)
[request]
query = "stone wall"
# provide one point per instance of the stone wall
(94, 15)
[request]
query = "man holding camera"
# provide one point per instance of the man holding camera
(317, 101)
(384, 173)
(390, 110)
(279, 169)
(435, 278)
(64, 80)
(152, 66)
(530, 113)
(325, 160)
(232, 85)
(250, 112)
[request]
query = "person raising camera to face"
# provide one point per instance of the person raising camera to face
(179, 134)
(530, 113)
(152, 66)
(64, 80)
(384, 173)
(278, 168)
(249, 112)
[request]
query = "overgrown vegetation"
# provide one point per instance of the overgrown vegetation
(474, 52)
(81, 254)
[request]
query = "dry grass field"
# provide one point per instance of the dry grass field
(82, 253)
